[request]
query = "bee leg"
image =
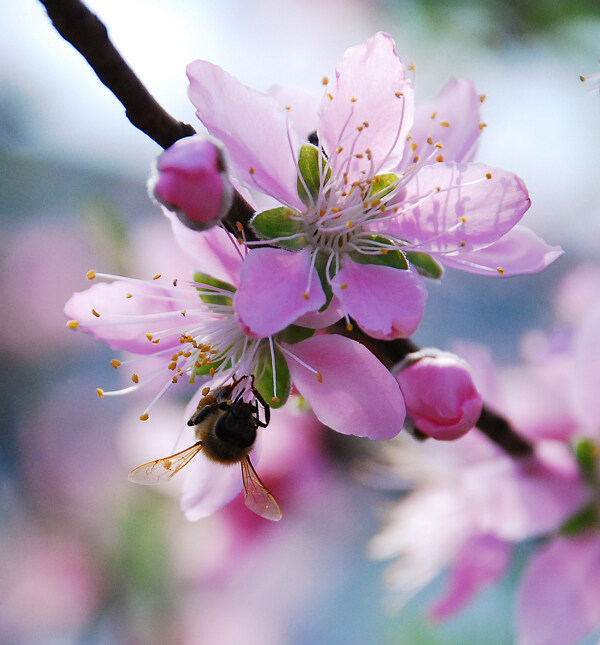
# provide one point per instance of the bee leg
(265, 407)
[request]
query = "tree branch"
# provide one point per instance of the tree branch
(80, 27)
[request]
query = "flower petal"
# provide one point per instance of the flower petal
(213, 252)
(208, 486)
(367, 110)
(385, 302)
(124, 322)
(273, 287)
(559, 597)
(253, 128)
(459, 207)
(457, 107)
(481, 561)
(355, 395)
(586, 379)
(518, 252)
(302, 104)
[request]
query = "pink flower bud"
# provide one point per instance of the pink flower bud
(192, 182)
(441, 398)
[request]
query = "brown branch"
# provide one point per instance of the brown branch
(80, 27)
(495, 427)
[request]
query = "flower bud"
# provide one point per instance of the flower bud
(192, 181)
(441, 398)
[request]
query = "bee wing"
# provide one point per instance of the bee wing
(258, 497)
(160, 470)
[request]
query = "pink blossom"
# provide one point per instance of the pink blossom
(371, 210)
(192, 182)
(441, 398)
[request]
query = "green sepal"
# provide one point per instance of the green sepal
(321, 267)
(204, 370)
(389, 257)
(425, 264)
(585, 519)
(586, 453)
(294, 334)
(280, 222)
(382, 185)
(265, 385)
(213, 299)
(308, 165)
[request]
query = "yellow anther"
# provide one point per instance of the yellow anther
(91, 274)
(398, 95)
(251, 170)
(415, 158)
(344, 285)
(360, 128)
(414, 146)
(288, 107)
(330, 96)
(358, 156)
(488, 175)
(335, 209)
(135, 378)
(325, 80)
(366, 124)
(144, 417)
(116, 363)
(463, 243)
(156, 341)
(174, 379)
(212, 372)
(306, 295)
(439, 145)
(72, 324)
(100, 392)
(339, 149)
(482, 98)
(433, 115)
(319, 377)
(205, 390)
(445, 124)
(172, 365)
(353, 99)
(482, 125)
(463, 219)
(183, 312)
(349, 326)
(129, 295)
(150, 337)
(429, 140)
(438, 188)
(157, 276)
(95, 313)
(440, 158)
(275, 399)
(500, 270)
(349, 224)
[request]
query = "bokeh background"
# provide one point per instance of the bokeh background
(87, 558)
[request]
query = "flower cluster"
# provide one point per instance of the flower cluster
(358, 197)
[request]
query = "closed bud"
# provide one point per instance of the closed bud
(191, 180)
(441, 398)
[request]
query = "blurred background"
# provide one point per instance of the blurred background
(87, 558)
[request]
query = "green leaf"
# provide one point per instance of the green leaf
(586, 452)
(425, 264)
(265, 385)
(213, 298)
(383, 185)
(585, 519)
(280, 222)
(389, 258)
(294, 334)
(308, 164)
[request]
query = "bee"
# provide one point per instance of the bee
(225, 428)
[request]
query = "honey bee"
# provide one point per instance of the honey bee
(225, 429)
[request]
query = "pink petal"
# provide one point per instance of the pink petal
(458, 105)
(253, 128)
(462, 207)
(356, 393)
(481, 562)
(213, 252)
(208, 486)
(303, 105)
(370, 87)
(385, 302)
(272, 290)
(559, 597)
(518, 252)
(124, 322)
(586, 375)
